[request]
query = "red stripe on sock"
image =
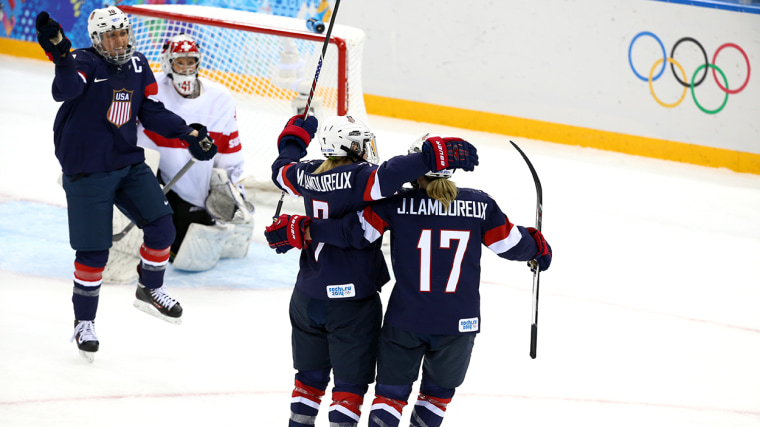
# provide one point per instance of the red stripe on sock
(438, 402)
(87, 273)
(154, 255)
(351, 401)
(393, 403)
(311, 393)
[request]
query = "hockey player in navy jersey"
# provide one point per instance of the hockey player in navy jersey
(433, 313)
(104, 89)
(335, 308)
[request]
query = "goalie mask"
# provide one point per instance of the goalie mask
(105, 27)
(181, 60)
(345, 136)
(417, 148)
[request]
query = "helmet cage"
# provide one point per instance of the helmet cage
(181, 46)
(102, 21)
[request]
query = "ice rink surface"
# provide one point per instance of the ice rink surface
(649, 314)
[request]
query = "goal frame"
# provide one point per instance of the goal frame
(340, 44)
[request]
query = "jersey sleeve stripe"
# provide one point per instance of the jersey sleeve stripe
(372, 191)
(372, 224)
(502, 238)
(284, 182)
(151, 89)
(226, 143)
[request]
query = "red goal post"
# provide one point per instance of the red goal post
(268, 63)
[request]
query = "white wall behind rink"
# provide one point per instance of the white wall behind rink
(566, 62)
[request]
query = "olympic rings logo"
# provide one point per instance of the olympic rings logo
(682, 80)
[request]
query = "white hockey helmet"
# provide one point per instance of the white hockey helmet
(342, 136)
(184, 78)
(417, 148)
(108, 19)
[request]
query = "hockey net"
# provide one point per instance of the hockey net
(268, 62)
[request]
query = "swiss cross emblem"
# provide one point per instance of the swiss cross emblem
(120, 111)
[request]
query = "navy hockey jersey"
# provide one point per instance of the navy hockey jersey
(95, 129)
(435, 254)
(333, 273)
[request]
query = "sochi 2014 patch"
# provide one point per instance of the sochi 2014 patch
(341, 291)
(468, 325)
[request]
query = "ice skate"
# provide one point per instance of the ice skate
(87, 341)
(158, 303)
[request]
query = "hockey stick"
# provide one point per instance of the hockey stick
(120, 235)
(313, 87)
(321, 58)
(539, 214)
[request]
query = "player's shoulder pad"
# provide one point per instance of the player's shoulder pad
(215, 86)
(140, 55)
(475, 192)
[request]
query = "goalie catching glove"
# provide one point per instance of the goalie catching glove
(299, 131)
(225, 201)
(449, 153)
(201, 146)
(51, 37)
(287, 232)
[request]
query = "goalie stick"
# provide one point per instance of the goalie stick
(313, 87)
(120, 235)
(539, 214)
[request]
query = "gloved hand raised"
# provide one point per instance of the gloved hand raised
(544, 255)
(287, 232)
(201, 146)
(449, 153)
(51, 37)
(299, 131)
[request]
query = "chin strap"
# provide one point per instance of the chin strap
(351, 154)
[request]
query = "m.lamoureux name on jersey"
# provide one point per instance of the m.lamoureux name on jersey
(325, 182)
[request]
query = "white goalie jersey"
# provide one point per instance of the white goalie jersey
(213, 108)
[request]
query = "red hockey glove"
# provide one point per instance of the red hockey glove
(450, 153)
(287, 233)
(299, 131)
(543, 256)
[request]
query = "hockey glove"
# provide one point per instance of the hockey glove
(287, 233)
(201, 147)
(544, 255)
(449, 153)
(299, 131)
(51, 37)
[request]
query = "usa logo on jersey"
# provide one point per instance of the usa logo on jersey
(120, 111)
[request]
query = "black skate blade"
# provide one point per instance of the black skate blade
(89, 356)
(153, 311)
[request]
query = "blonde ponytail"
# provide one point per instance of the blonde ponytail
(443, 190)
(332, 162)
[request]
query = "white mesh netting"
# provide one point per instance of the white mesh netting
(265, 60)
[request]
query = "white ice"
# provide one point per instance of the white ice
(648, 316)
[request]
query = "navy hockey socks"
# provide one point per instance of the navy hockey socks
(385, 412)
(153, 266)
(428, 411)
(304, 405)
(346, 408)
